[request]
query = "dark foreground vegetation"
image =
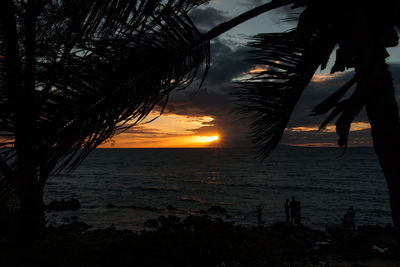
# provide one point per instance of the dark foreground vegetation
(201, 241)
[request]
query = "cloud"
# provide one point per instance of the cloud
(206, 18)
(252, 3)
(214, 100)
(227, 63)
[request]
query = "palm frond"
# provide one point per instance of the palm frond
(101, 66)
(271, 95)
(120, 81)
(333, 100)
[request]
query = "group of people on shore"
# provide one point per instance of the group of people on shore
(293, 214)
(293, 211)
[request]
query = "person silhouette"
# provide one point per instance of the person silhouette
(348, 219)
(259, 214)
(292, 209)
(297, 218)
(287, 210)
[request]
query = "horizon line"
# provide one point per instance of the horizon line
(241, 147)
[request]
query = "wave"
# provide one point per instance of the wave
(242, 185)
(148, 208)
(193, 199)
(157, 189)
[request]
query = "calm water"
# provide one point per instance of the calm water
(143, 182)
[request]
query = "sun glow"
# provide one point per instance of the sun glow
(205, 139)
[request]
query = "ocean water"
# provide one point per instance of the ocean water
(141, 183)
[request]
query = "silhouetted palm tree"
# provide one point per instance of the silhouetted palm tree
(362, 30)
(74, 73)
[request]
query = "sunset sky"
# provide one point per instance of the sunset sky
(208, 117)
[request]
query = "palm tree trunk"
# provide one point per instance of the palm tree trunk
(20, 84)
(31, 196)
(32, 219)
(384, 118)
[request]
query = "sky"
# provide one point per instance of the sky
(208, 117)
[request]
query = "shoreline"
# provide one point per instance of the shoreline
(202, 241)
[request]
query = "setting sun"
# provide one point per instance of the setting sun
(205, 139)
(213, 138)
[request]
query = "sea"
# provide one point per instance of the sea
(124, 188)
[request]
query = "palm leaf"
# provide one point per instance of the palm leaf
(96, 68)
(271, 95)
(99, 65)
(333, 100)
(108, 64)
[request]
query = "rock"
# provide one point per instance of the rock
(150, 208)
(151, 223)
(217, 209)
(380, 250)
(75, 227)
(71, 204)
(110, 205)
(170, 207)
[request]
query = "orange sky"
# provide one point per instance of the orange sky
(355, 126)
(179, 131)
(168, 131)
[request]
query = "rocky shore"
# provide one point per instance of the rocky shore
(202, 241)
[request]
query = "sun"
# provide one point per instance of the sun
(212, 138)
(205, 139)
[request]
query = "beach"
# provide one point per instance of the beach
(201, 241)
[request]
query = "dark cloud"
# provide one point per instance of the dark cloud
(226, 63)
(282, 14)
(251, 3)
(215, 94)
(208, 17)
(214, 99)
